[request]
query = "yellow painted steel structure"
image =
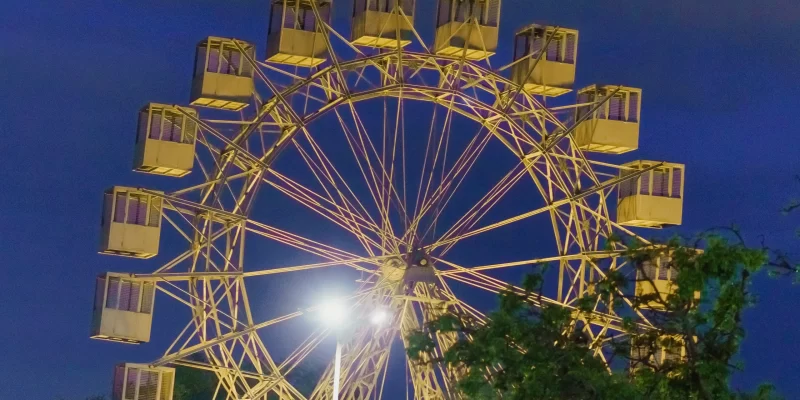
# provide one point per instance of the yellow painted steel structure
(361, 99)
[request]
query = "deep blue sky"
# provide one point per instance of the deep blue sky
(721, 95)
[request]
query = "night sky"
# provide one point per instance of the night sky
(720, 94)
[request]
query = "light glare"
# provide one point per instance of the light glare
(379, 317)
(333, 313)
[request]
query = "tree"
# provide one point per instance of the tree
(526, 352)
(198, 384)
(195, 384)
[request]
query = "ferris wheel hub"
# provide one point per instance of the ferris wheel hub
(416, 266)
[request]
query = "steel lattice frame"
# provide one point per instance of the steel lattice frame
(239, 161)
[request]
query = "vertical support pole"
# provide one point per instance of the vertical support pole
(561, 267)
(337, 369)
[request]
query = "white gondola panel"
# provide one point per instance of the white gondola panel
(296, 37)
(131, 222)
(142, 382)
(467, 28)
(614, 127)
(544, 59)
(165, 140)
(223, 78)
(382, 23)
(123, 309)
(643, 205)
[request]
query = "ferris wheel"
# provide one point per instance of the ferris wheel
(424, 175)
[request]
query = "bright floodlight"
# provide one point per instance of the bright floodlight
(333, 313)
(379, 317)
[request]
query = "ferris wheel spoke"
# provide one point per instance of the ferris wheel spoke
(274, 380)
(570, 238)
(323, 166)
(329, 31)
(475, 278)
(227, 357)
(330, 180)
(482, 206)
(532, 262)
(482, 281)
(556, 176)
(381, 187)
(579, 227)
(455, 177)
(373, 168)
(583, 165)
(558, 203)
(203, 250)
(211, 181)
(543, 176)
(507, 221)
(279, 98)
(464, 307)
(303, 350)
(435, 150)
(238, 381)
(223, 177)
(271, 271)
(310, 246)
(388, 157)
(325, 207)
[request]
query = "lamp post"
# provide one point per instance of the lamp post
(337, 369)
(334, 314)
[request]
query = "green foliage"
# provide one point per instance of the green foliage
(195, 384)
(527, 352)
(305, 376)
(198, 384)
